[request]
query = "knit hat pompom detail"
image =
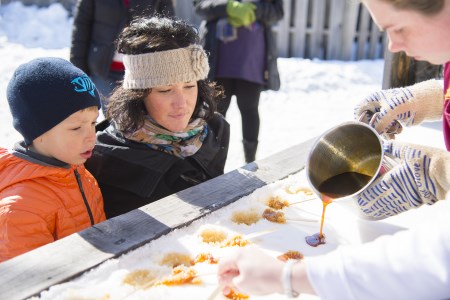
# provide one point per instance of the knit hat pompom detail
(143, 71)
(44, 92)
(199, 62)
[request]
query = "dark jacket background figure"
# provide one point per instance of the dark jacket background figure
(97, 24)
(147, 175)
(268, 12)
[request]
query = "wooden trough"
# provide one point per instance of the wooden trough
(31, 273)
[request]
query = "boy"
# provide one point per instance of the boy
(45, 191)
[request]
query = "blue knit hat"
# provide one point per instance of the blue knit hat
(44, 92)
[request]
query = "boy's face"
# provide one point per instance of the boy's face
(72, 140)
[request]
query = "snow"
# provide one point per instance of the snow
(107, 280)
(314, 96)
(138, 274)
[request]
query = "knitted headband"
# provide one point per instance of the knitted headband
(148, 70)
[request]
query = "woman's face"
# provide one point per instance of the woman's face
(172, 106)
(419, 36)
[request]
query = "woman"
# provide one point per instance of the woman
(165, 135)
(411, 264)
(423, 174)
(243, 56)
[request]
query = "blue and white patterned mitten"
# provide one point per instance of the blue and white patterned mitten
(409, 105)
(421, 177)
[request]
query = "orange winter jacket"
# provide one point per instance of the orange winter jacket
(42, 200)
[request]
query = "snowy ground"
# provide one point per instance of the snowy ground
(315, 95)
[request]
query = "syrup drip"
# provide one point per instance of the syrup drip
(335, 187)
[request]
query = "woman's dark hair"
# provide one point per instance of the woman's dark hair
(426, 7)
(145, 35)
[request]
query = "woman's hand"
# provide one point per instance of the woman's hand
(421, 177)
(251, 271)
(409, 105)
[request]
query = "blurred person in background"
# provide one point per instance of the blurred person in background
(243, 56)
(96, 25)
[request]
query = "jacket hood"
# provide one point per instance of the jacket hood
(20, 164)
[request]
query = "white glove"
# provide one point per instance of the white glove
(409, 105)
(421, 177)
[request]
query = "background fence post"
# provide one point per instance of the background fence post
(401, 70)
(336, 29)
(282, 30)
(349, 30)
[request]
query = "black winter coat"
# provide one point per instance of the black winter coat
(97, 24)
(131, 174)
(268, 12)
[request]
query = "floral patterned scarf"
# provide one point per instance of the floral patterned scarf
(180, 144)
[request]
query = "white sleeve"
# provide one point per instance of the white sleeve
(411, 264)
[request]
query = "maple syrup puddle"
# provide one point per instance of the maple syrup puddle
(336, 187)
(315, 240)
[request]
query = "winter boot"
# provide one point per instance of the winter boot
(250, 150)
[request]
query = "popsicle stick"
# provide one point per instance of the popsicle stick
(206, 274)
(144, 287)
(305, 200)
(215, 293)
(302, 220)
(258, 234)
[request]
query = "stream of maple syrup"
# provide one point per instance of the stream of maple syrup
(335, 187)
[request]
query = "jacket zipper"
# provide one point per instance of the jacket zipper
(77, 175)
(205, 169)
